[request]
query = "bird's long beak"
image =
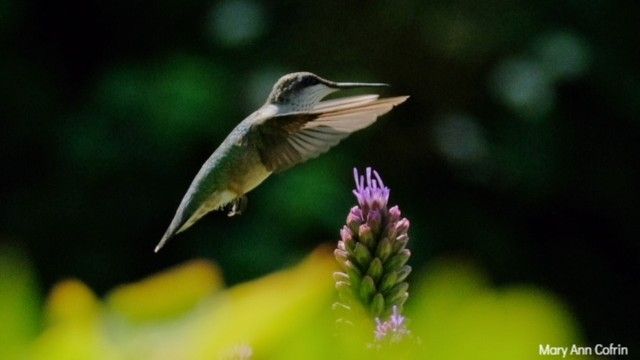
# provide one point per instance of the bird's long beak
(354, 85)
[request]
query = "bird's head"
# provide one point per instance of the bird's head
(301, 91)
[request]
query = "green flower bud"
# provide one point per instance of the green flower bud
(403, 273)
(365, 235)
(375, 270)
(398, 260)
(355, 276)
(377, 305)
(367, 289)
(384, 249)
(341, 256)
(362, 255)
(400, 242)
(340, 276)
(398, 301)
(396, 292)
(388, 280)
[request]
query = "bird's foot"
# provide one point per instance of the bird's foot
(238, 205)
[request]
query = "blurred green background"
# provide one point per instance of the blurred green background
(518, 150)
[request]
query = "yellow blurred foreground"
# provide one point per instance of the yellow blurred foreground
(186, 313)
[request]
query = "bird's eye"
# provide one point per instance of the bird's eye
(309, 81)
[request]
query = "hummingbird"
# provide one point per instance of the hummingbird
(294, 125)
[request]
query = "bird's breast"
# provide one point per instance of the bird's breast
(244, 168)
(252, 174)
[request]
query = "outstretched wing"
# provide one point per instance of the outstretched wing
(289, 139)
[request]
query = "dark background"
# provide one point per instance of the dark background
(518, 149)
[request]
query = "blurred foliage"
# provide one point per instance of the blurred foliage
(19, 303)
(284, 315)
(460, 317)
(517, 150)
(189, 285)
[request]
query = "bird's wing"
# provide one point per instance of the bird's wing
(286, 140)
(343, 103)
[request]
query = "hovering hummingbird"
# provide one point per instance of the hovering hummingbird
(293, 126)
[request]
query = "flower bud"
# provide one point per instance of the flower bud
(365, 235)
(396, 292)
(402, 226)
(353, 272)
(384, 249)
(388, 281)
(394, 214)
(347, 238)
(374, 220)
(362, 255)
(375, 269)
(340, 276)
(367, 289)
(398, 301)
(398, 260)
(400, 242)
(377, 305)
(341, 256)
(403, 273)
(354, 219)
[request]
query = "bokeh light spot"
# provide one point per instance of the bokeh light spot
(563, 55)
(459, 137)
(237, 22)
(178, 99)
(524, 87)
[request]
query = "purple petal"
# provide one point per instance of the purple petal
(402, 226)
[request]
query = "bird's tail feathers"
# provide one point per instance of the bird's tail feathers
(183, 219)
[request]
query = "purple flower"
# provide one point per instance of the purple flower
(392, 330)
(372, 250)
(371, 194)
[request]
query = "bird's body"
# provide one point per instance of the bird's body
(292, 127)
(230, 172)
